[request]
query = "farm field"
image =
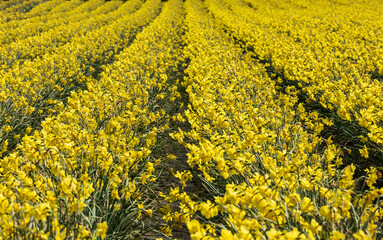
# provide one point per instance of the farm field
(191, 119)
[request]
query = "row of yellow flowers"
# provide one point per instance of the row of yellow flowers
(330, 49)
(7, 4)
(46, 7)
(35, 88)
(37, 38)
(15, 10)
(257, 151)
(18, 30)
(83, 175)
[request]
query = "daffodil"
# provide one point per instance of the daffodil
(102, 229)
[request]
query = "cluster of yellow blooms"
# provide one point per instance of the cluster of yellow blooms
(258, 150)
(87, 90)
(89, 163)
(45, 31)
(16, 9)
(330, 49)
(46, 7)
(31, 88)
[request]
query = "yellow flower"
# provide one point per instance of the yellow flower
(173, 195)
(347, 177)
(7, 128)
(102, 229)
(167, 231)
(184, 177)
(165, 210)
(196, 230)
(325, 211)
(208, 209)
(149, 212)
(373, 175)
(306, 184)
(41, 211)
(83, 232)
(67, 185)
(43, 236)
(314, 226)
(336, 235)
(307, 205)
(231, 194)
(141, 207)
(194, 226)
(293, 199)
(361, 235)
(274, 234)
(226, 235)
(364, 152)
(294, 234)
(4, 147)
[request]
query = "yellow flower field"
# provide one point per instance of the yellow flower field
(214, 119)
